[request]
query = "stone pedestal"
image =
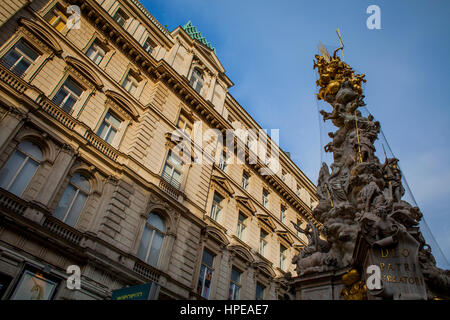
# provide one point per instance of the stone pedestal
(400, 271)
(319, 286)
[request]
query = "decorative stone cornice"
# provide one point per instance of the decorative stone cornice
(239, 251)
(123, 103)
(266, 221)
(210, 232)
(85, 71)
(246, 204)
(42, 34)
(284, 235)
(223, 184)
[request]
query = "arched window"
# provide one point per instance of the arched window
(152, 239)
(20, 168)
(196, 80)
(73, 200)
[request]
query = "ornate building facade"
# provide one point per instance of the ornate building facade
(89, 175)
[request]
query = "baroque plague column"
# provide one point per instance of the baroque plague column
(365, 221)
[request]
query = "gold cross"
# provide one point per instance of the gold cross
(340, 41)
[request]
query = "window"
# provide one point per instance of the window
(152, 240)
(73, 200)
(283, 175)
(184, 124)
(130, 83)
(216, 206)
(57, 18)
(149, 46)
(265, 198)
(68, 95)
(245, 180)
(172, 170)
(282, 256)
(298, 192)
(96, 52)
(196, 80)
(206, 271)
(241, 226)
(283, 214)
(120, 17)
(109, 127)
(260, 291)
(20, 168)
(19, 58)
(235, 284)
(223, 161)
(262, 242)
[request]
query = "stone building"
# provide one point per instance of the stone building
(89, 171)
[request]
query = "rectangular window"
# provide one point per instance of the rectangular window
(68, 95)
(149, 46)
(57, 18)
(262, 242)
(245, 180)
(19, 58)
(109, 127)
(130, 83)
(184, 124)
(260, 291)
(172, 170)
(216, 206)
(206, 271)
(223, 161)
(120, 17)
(241, 226)
(96, 53)
(283, 214)
(235, 284)
(196, 80)
(298, 191)
(283, 175)
(265, 198)
(282, 257)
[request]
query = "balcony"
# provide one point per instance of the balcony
(56, 112)
(18, 206)
(170, 186)
(62, 230)
(12, 79)
(12, 203)
(101, 145)
(146, 271)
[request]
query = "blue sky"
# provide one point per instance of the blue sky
(267, 48)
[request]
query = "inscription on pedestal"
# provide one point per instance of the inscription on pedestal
(401, 276)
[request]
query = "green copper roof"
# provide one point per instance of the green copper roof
(196, 35)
